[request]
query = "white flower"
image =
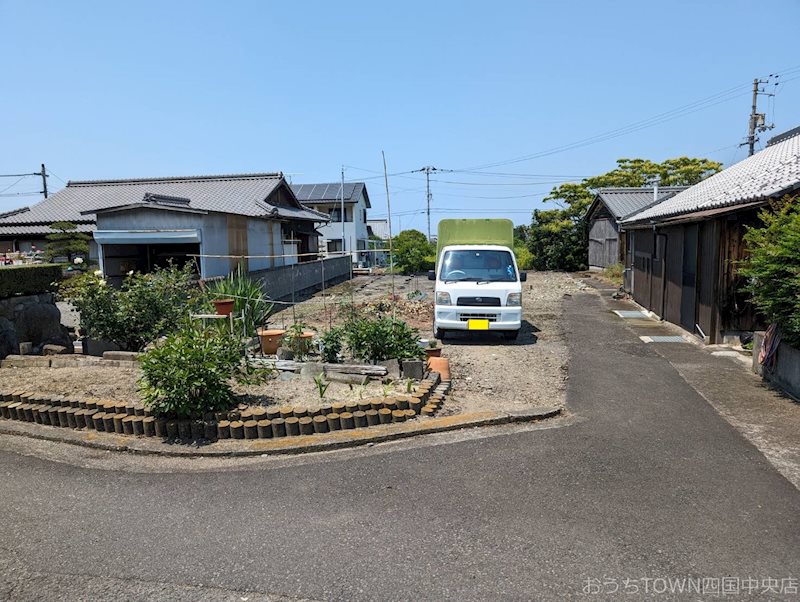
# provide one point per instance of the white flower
(130, 273)
(102, 282)
(98, 272)
(78, 260)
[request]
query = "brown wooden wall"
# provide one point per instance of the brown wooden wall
(688, 274)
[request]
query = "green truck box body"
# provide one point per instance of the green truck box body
(474, 232)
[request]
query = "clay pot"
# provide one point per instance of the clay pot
(224, 307)
(270, 340)
(440, 365)
(433, 352)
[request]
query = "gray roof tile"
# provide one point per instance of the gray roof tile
(243, 194)
(623, 202)
(769, 173)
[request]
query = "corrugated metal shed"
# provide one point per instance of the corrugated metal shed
(769, 173)
(309, 194)
(622, 202)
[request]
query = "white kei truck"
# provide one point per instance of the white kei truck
(478, 285)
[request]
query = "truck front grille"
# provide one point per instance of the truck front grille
(476, 316)
(478, 301)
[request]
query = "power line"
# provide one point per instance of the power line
(689, 108)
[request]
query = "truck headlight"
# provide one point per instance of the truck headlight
(514, 299)
(442, 298)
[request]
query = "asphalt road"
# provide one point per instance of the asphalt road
(646, 481)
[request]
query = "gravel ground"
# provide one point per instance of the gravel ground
(488, 372)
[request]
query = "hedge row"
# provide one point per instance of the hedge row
(28, 279)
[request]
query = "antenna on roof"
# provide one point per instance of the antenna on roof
(288, 176)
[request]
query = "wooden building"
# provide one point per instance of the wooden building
(609, 207)
(682, 253)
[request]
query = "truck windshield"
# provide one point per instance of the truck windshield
(478, 265)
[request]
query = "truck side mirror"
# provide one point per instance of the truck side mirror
(431, 275)
(523, 276)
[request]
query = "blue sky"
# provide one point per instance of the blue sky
(136, 89)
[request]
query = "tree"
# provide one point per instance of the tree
(66, 242)
(558, 238)
(773, 267)
(413, 253)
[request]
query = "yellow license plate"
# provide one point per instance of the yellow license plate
(477, 324)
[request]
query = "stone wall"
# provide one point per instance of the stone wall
(34, 319)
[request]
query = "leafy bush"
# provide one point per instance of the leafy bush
(294, 340)
(250, 302)
(29, 279)
(614, 272)
(331, 344)
(413, 253)
(146, 307)
(379, 339)
(189, 373)
(773, 267)
(524, 257)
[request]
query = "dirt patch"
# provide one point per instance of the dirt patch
(488, 372)
(111, 384)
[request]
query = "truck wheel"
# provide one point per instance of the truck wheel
(510, 335)
(438, 333)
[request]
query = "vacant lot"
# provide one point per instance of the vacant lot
(487, 371)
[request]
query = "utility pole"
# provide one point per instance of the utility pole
(344, 247)
(428, 169)
(44, 180)
(757, 121)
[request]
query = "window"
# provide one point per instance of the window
(336, 214)
(334, 246)
(480, 266)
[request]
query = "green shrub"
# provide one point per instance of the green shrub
(29, 279)
(146, 307)
(524, 257)
(773, 267)
(614, 272)
(379, 339)
(294, 340)
(189, 373)
(413, 253)
(250, 302)
(331, 344)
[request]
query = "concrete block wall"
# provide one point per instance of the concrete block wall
(279, 282)
(786, 374)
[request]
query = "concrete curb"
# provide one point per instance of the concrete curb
(283, 445)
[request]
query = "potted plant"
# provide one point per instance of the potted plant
(224, 307)
(270, 339)
(433, 349)
(298, 340)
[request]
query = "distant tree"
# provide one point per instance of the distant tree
(66, 241)
(521, 234)
(558, 237)
(412, 251)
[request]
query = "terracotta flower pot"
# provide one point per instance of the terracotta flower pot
(440, 365)
(433, 352)
(224, 307)
(270, 340)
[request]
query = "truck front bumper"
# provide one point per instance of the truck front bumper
(450, 317)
